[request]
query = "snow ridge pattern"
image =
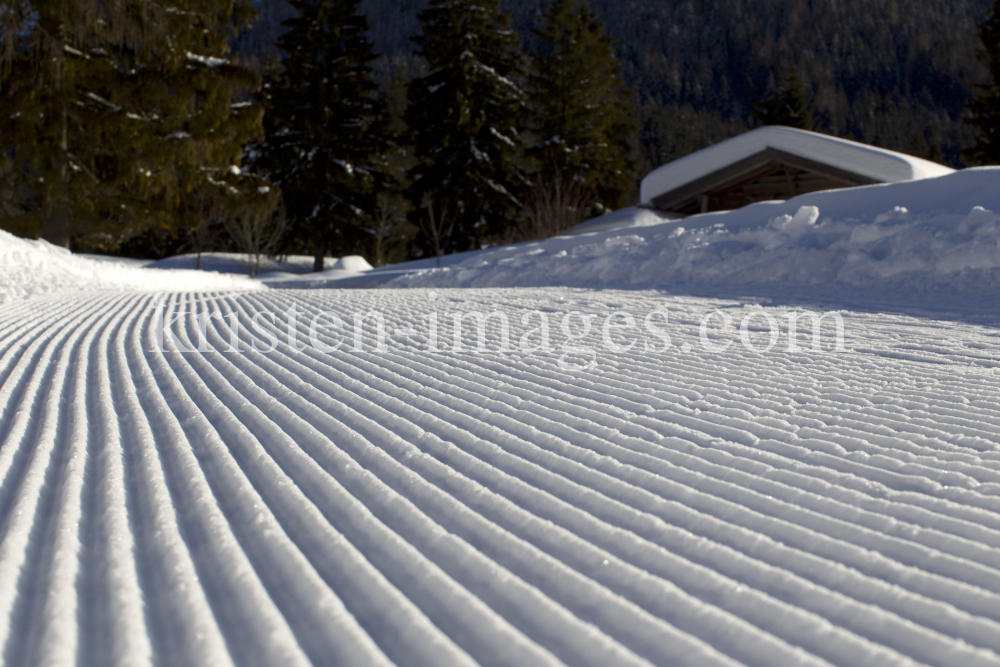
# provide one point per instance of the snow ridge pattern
(416, 508)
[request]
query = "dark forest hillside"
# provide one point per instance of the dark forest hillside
(885, 72)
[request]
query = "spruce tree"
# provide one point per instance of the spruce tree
(580, 113)
(790, 107)
(44, 59)
(326, 126)
(196, 114)
(123, 113)
(985, 107)
(464, 120)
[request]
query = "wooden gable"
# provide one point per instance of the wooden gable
(768, 175)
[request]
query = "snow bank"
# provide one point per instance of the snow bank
(295, 268)
(633, 216)
(349, 266)
(934, 234)
(235, 263)
(352, 263)
(29, 268)
(875, 163)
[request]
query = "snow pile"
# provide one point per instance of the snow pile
(349, 266)
(943, 250)
(29, 268)
(352, 264)
(934, 234)
(633, 216)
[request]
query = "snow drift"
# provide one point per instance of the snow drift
(29, 268)
(934, 234)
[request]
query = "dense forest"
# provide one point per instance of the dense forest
(414, 128)
(889, 73)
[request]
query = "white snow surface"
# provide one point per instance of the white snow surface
(933, 235)
(290, 268)
(672, 506)
(940, 234)
(632, 216)
(878, 164)
(231, 262)
(194, 473)
(352, 263)
(30, 268)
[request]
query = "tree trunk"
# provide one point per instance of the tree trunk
(55, 218)
(320, 254)
(55, 212)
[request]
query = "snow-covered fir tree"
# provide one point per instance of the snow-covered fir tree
(45, 61)
(205, 118)
(326, 126)
(464, 121)
(580, 114)
(126, 114)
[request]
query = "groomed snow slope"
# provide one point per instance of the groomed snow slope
(417, 508)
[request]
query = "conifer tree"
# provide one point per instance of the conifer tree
(789, 108)
(985, 107)
(205, 117)
(326, 126)
(41, 68)
(464, 121)
(580, 112)
(124, 112)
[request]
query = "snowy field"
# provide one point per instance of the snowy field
(428, 508)
(198, 468)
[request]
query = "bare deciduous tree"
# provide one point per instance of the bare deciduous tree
(199, 232)
(390, 226)
(257, 234)
(438, 225)
(19, 212)
(554, 205)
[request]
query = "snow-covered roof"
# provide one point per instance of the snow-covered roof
(877, 164)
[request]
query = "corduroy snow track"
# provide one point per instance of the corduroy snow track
(260, 506)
